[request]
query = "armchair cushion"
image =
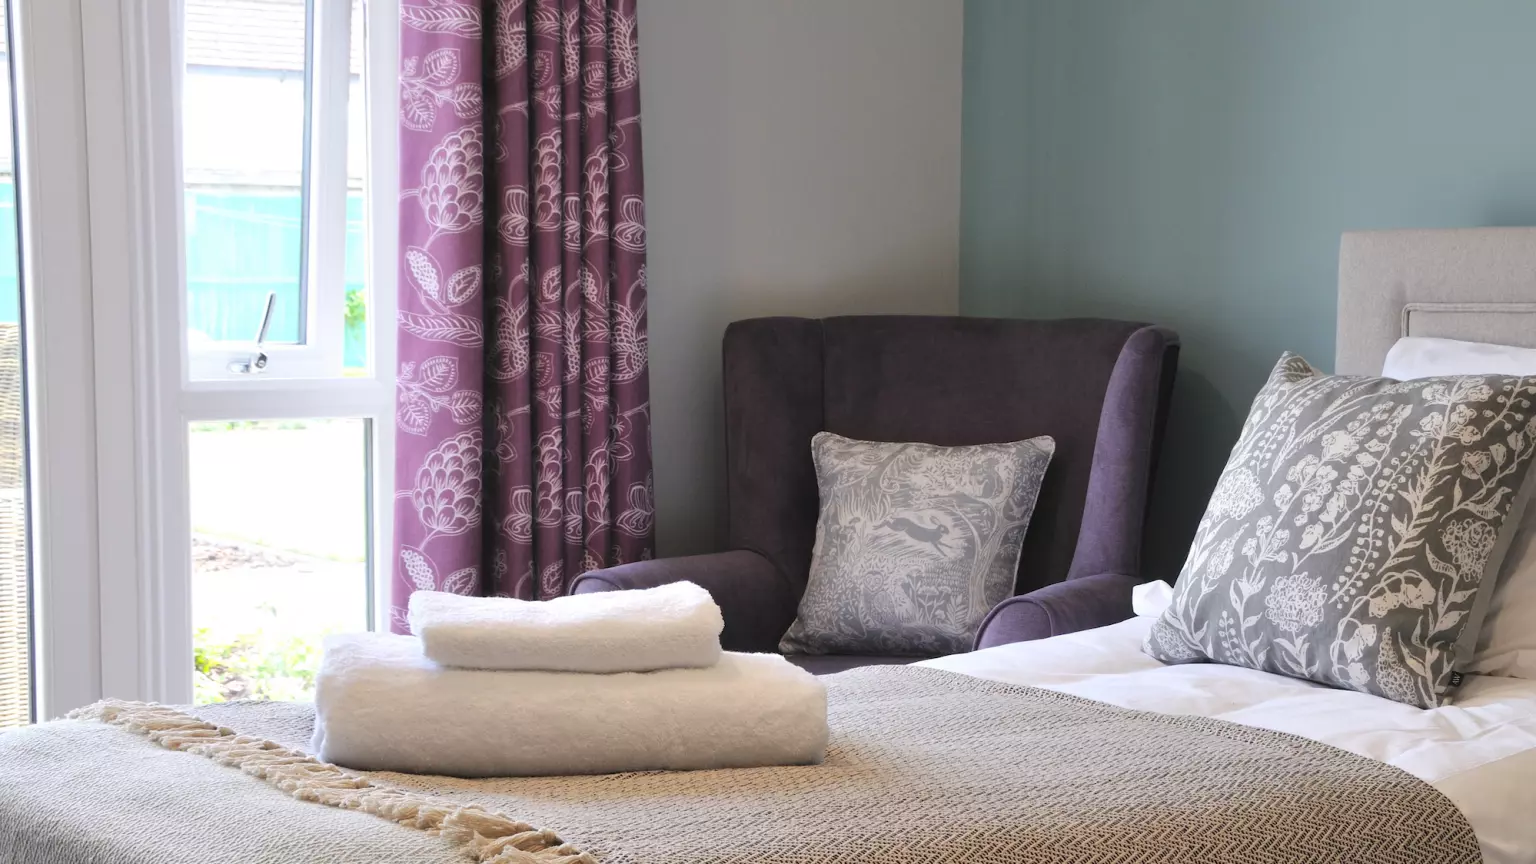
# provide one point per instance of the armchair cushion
(753, 596)
(1066, 607)
(915, 543)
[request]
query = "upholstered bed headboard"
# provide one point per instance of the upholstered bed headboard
(1476, 284)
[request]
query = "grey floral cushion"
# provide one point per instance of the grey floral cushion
(1356, 532)
(915, 544)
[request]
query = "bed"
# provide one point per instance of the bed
(1078, 747)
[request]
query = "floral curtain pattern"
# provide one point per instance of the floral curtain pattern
(523, 430)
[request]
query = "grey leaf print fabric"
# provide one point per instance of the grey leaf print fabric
(1357, 530)
(915, 543)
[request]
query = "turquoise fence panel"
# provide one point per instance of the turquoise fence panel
(10, 265)
(241, 245)
(355, 349)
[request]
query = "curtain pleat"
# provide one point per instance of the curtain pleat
(523, 454)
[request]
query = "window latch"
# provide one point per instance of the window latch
(257, 362)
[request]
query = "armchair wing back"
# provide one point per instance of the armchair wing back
(1100, 388)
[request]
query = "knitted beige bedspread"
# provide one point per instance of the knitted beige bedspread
(925, 766)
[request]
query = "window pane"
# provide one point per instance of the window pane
(279, 551)
(15, 651)
(355, 349)
(243, 135)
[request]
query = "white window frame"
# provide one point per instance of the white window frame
(147, 383)
(328, 54)
(60, 355)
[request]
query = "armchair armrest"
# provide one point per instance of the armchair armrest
(1065, 607)
(755, 600)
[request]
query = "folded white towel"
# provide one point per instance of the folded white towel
(381, 705)
(671, 626)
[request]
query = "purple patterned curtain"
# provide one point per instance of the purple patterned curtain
(523, 454)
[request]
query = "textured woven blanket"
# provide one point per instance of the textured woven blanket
(925, 766)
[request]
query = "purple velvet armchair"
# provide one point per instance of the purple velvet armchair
(1099, 387)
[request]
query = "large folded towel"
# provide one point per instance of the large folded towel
(381, 705)
(671, 626)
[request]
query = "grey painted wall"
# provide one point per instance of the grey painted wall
(1193, 162)
(802, 157)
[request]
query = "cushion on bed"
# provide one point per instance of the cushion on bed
(915, 543)
(1507, 645)
(1355, 532)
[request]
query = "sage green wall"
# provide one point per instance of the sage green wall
(1193, 162)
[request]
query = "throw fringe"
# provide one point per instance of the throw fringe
(489, 838)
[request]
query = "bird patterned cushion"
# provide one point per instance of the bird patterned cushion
(915, 543)
(1356, 533)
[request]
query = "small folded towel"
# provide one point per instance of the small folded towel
(381, 705)
(671, 626)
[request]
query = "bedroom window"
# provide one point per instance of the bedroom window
(284, 424)
(282, 562)
(176, 499)
(273, 151)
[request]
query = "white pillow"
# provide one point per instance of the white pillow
(1151, 599)
(1507, 645)
(1421, 357)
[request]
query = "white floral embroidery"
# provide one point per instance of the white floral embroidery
(1295, 603)
(1393, 679)
(1406, 589)
(1236, 495)
(1338, 445)
(447, 489)
(1469, 541)
(1172, 645)
(1354, 646)
(1221, 560)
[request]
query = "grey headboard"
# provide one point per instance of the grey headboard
(1477, 284)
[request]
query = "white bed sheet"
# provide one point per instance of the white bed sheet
(1479, 752)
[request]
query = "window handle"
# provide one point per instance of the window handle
(257, 362)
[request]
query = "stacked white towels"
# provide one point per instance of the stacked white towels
(445, 702)
(673, 626)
